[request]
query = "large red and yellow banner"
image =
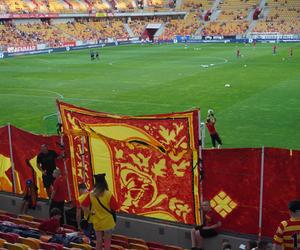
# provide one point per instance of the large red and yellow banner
(23, 153)
(150, 161)
(5, 163)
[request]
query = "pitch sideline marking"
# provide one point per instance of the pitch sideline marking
(100, 100)
(41, 90)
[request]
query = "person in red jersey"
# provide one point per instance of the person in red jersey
(287, 236)
(274, 49)
(210, 124)
(209, 228)
(52, 225)
(59, 193)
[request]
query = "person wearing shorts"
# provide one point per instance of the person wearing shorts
(210, 124)
(101, 215)
(46, 163)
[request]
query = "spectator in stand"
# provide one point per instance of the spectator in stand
(262, 245)
(30, 197)
(210, 124)
(59, 193)
(87, 228)
(287, 234)
(46, 164)
(226, 246)
(101, 203)
(52, 225)
(224, 243)
(251, 244)
(209, 228)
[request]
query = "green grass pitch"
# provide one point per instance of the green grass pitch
(261, 106)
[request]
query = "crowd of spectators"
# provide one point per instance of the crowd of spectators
(231, 17)
(230, 28)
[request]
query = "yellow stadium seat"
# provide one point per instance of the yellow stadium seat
(171, 247)
(81, 246)
(115, 247)
(26, 217)
(2, 242)
(137, 241)
(138, 246)
(15, 246)
(31, 242)
(120, 237)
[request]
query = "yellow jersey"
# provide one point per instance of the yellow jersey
(102, 220)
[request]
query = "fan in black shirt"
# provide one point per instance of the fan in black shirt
(46, 163)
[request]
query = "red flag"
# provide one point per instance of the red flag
(6, 183)
(281, 185)
(26, 147)
(232, 184)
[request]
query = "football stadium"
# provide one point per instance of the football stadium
(149, 124)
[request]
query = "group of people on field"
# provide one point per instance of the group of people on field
(274, 50)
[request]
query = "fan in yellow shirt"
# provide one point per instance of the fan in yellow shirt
(102, 205)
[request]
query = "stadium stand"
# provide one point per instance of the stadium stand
(231, 18)
(283, 17)
(196, 5)
(126, 5)
(157, 5)
(10, 35)
(78, 30)
(202, 18)
(189, 25)
(15, 241)
(108, 28)
(15, 6)
(44, 33)
(78, 6)
(229, 28)
(138, 25)
(235, 9)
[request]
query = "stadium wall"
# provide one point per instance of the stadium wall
(136, 227)
(33, 50)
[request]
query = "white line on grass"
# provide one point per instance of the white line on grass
(22, 95)
(218, 58)
(40, 90)
(101, 101)
(126, 102)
